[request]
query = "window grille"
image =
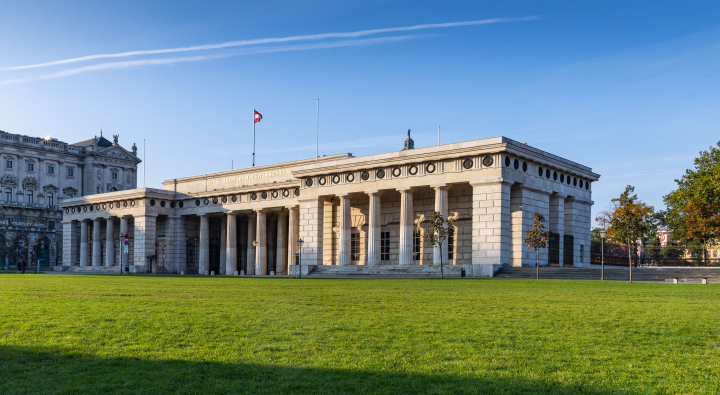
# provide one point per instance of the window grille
(385, 246)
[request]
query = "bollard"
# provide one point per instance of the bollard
(675, 280)
(206, 273)
(236, 273)
(272, 272)
(462, 273)
(182, 272)
(704, 280)
(212, 273)
(242, 272)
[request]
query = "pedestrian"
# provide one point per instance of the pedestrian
(24, 265)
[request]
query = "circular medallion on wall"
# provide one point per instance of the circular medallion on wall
(524, 166)
(507, 161)
(162, 203)
(125, 204)
(253, 196)
(215, 200)
(233, 198)
(488, 161)
(547, 173)
(152, 202)
(224, 199)
(516, 164)
(336, 179)
(197, 202)
(555, 175)
(581, 184)
(412, 170)
(297, 191)
(85, 208)
(275, 194)
(540, 171)
(396, 171)
(309, 182)
(467, 163)
(264, 194)
(206, 201)
(574, 181)
(568, 180)
(350, 177)
(132, 203)
(73, 210)
(562, 177)
(322, 180)
(365, 175)
(181, 204)
(286, 193)
(91, 207)
(380, 173)
(587, 185)
(67, 211)
(172, 204)
(103, 206)
(430, 168)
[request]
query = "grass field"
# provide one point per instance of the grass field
(142, 334)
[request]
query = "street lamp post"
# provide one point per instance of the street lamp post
(122, 239)
(603, 235)
(255, 244)
(300, 243)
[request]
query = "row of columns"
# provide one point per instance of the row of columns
(96, 259)
(407, 219)
(257, 250)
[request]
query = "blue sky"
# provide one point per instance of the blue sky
(630, 89)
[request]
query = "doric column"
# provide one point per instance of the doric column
(491, 223)
(261, 249)
(204, 261)
(311, 230)
(344, 230)
(97, 245)
(281, 250)
(110, 242)
(441, 206)
(123, 232)
(292, 235)
(180, 246)
(373, 240)
(251, 224)
(231, 245)
(172, 243)
(406, 226)
(556, 225)
(223, 245)
(69, 244)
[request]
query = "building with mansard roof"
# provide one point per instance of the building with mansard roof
(37, 174)
(353, 215)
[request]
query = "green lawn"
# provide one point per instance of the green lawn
(140, 334)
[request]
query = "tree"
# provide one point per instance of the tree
(436, 232)
(693, 209)
(631, 221)
(537, 238)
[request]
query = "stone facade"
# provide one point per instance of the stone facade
(36, 175)
(348, 211)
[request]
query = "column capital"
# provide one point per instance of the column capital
(492, 182)
(373, 193)
(440, 186)
(405, 189)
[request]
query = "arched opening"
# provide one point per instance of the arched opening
(19, 251)
(42, 251)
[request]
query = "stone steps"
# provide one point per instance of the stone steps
(665, 274)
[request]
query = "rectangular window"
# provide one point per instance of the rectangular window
(8, 194)
(51, 169)
(30, 167)
(385, 246)
(29, 197)
(355, 247)
(8, 164)
(451, 244)
(51, 225)
(114, 175)
(70, 172)
(51, 199)
(416, 244)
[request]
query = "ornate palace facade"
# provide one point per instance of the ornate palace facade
(351, 212)
(37, 174)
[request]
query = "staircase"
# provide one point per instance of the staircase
(646, 274)
(396, 271)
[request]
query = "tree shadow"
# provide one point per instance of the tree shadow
(26, 371)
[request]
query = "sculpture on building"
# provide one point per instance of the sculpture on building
(409, 143)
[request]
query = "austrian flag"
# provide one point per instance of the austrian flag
(258, 116)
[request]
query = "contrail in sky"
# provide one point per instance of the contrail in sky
(165, 61)
(274, 40)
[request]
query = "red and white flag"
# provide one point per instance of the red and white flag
(258, 116)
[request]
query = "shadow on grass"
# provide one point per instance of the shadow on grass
(26, 371)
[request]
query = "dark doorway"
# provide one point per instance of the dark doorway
(42, 252)
(215, 254)
(271, 238)
(242, 223)
(554, 249)
(191, 256)
(569, 243)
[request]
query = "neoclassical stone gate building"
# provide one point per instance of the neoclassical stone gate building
(368, 211)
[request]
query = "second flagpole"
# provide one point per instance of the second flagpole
(254, 137)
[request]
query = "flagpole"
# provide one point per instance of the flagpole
(317, 134)
(254, 137)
